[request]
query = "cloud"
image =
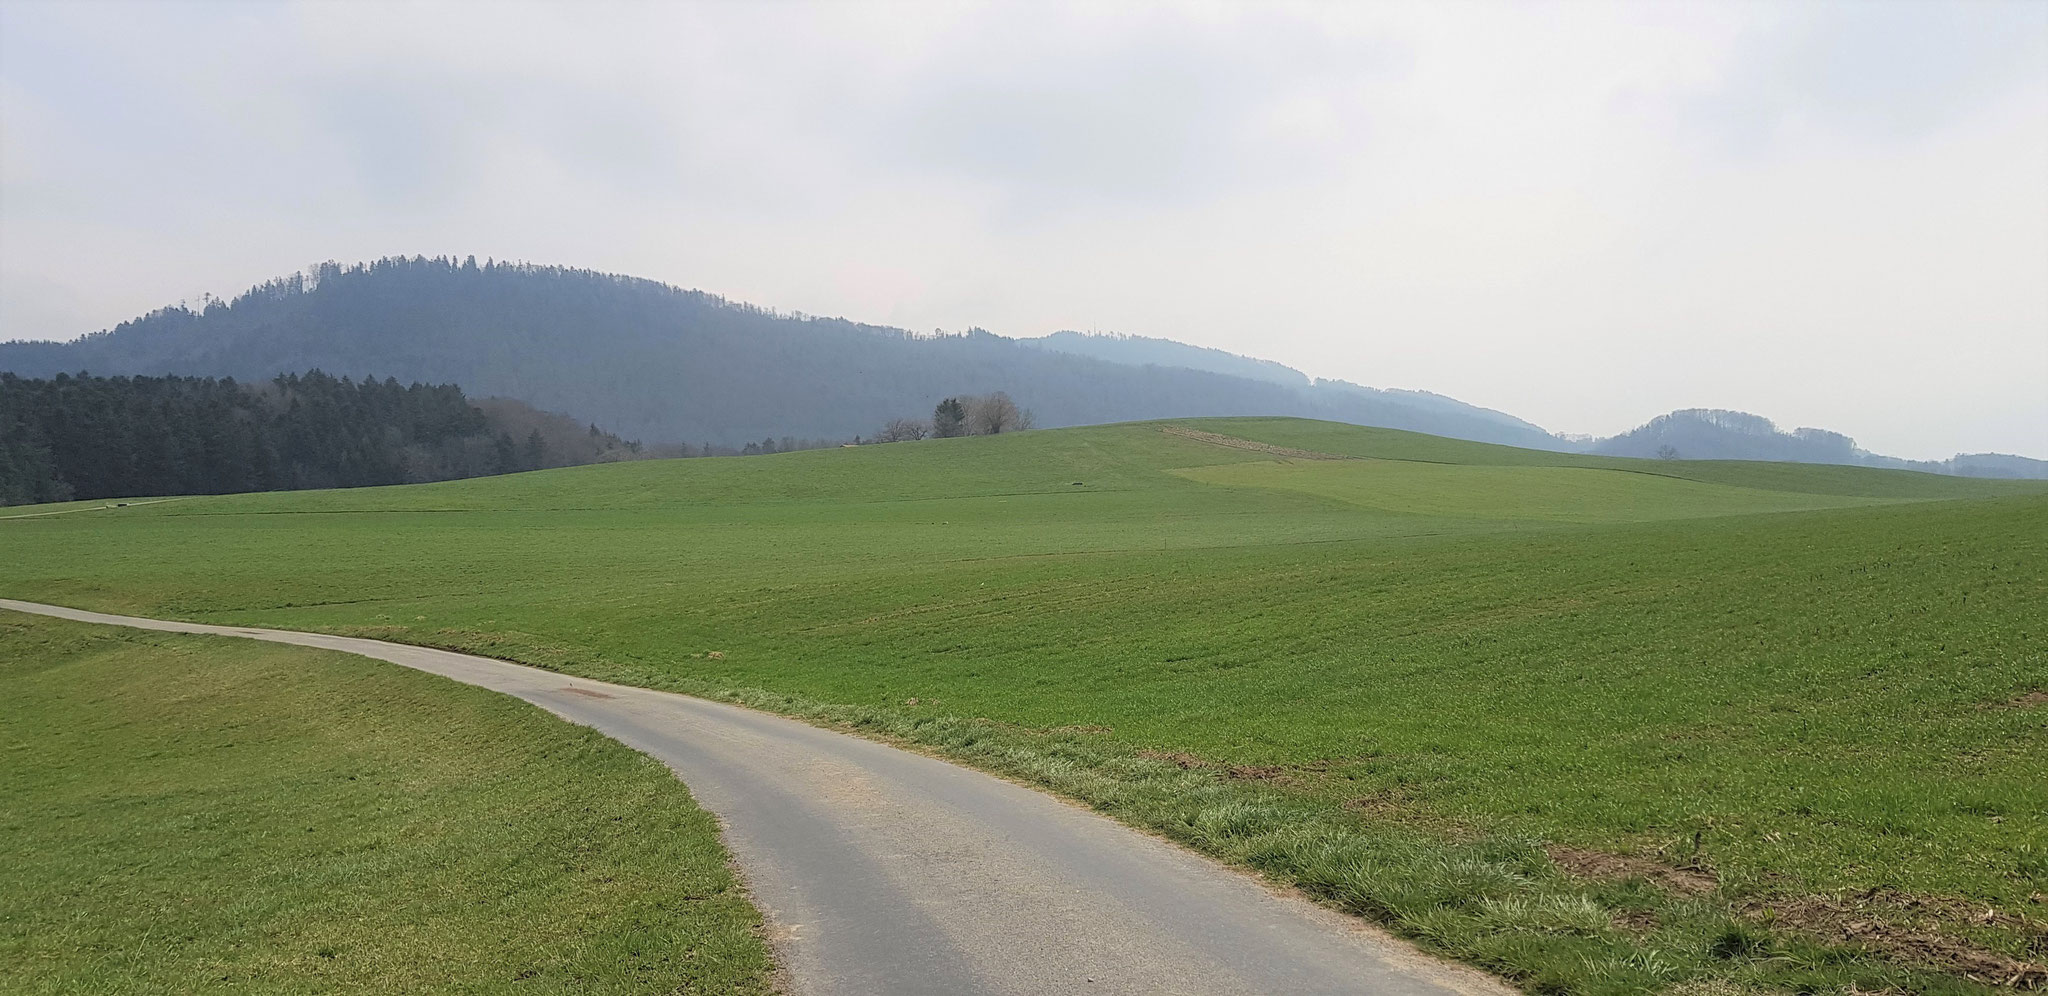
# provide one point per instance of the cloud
(1884, 72)
(1064, 112)
(1584, 214)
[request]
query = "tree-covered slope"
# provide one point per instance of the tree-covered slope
(666, 365)
(105, 437)
(1141, 350)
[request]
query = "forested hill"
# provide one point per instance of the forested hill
(1718, 434)
(106, 437)
(1143, 350)
(654, 362)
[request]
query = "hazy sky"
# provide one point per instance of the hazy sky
(1583, 214)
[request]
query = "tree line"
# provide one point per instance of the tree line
(81, 437)
(964, 415)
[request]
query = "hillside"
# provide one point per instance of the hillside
(665, 365)
(1604, 725)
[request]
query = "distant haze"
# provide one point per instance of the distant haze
(1586, 215)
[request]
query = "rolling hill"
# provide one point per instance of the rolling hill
(1604, 725)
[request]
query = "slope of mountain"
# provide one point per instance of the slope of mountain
(666, 365)
(1138, 350)
(1443, 405)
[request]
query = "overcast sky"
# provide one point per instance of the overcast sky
(1832, 215)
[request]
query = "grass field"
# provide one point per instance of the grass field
(1602, 725)
(192, 814)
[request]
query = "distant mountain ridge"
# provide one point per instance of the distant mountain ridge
(1137, 350)
(671, 366)
(667, 365)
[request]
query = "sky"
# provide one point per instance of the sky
(1584, 214)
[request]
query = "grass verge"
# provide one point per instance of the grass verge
(193, 813)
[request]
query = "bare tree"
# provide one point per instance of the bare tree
(901, 430)
(995, 414)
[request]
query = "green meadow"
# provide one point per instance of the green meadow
(1601, 725)
(195, 814)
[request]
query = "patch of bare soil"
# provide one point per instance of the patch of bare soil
(1615, 867)
(2037, 697)
(1218, 439)
(1259, 773)
(1637, 921)
(1180, 760)
(1913, 929)
(1380, 803)
(1271, 773)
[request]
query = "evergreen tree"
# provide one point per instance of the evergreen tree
(507, 455)
(949, 419)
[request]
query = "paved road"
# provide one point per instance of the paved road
(887, 873)
(103, 507)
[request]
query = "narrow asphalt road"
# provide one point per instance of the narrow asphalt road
(887, 873)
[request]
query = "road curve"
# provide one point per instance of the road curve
(886, 872)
